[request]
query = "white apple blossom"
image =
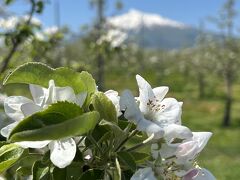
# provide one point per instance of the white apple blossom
(181, 155)
(34, 20)
(144, 174)
(2, 98)
(161, 116)
(10, 23)
(188, 150)
(63, 151)
(114, 36)
(39, 36)
(133, 113)
(199, 174)
(154, 110)
(50, 30)
(155, 107)
(46, 33)
(114, 97)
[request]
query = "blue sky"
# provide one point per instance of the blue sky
(75, 13)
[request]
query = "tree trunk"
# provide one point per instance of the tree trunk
(100, 73)
(201, 86)
(100, 58)
(228, 101)
(7, 59)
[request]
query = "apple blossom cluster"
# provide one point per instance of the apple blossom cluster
(175, 157)
(113, 36)
(77, 124)
(10, 24)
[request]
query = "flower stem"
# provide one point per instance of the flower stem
(133, 133)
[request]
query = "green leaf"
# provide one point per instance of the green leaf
(126, 175)
(59, 120)
(119, 134)
(127, 159)
(26, 162)
(9, 154)
(59, 174)
(118, 174)
(40, 6)
(90, 85)
(40, 171)
(139, 157)
(23, 171)
(105, 107)
(7, 2)
(74, 170)
(40, 74)
(2, 143)
(97, 133)
(92, 174)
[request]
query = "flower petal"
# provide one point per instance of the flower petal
(5, 132)
(167, 151)
(65, 94)
(184, 170)
(170, 113)
(113, 96)
(190, 175)
(160, 92)
(202, 139)
(150, 128)
(111, 93)
(144, 174)
(32, 144)
(130, 108)
(62, 152)
(199, 174)
(174, 131)
(38, 93)
(55, 94)
(186, 152)
(145, 94)
(80, 98)
(12, 106)
(164, 151)
(30, 108)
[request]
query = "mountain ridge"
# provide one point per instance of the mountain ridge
(151, 30)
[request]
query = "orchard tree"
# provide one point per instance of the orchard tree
(226, 54)
(100, 28)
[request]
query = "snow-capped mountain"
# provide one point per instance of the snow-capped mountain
(135, 19)
(154, 31)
